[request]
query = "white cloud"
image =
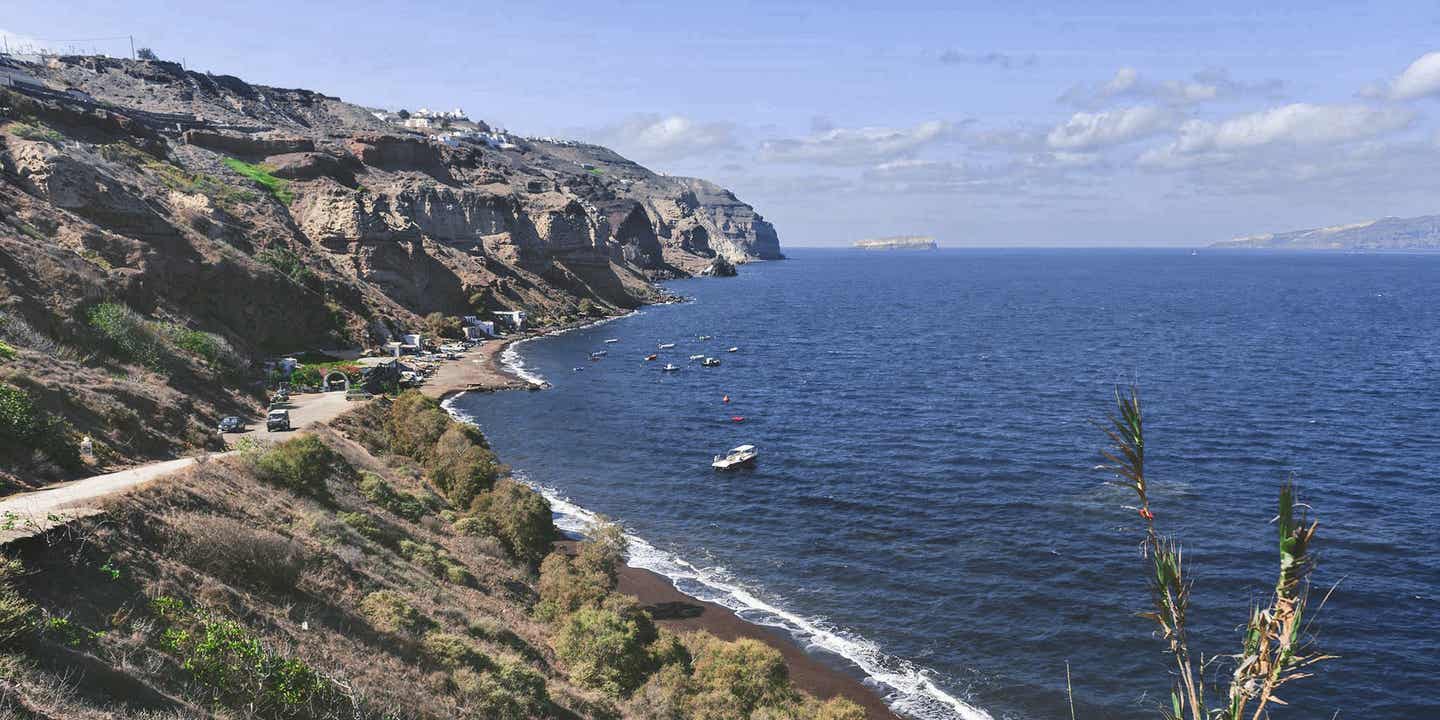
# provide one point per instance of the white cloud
(1294, 125)
(1087, 130)
(1422, 78)
(1203, 86)
(667, 137)
(855, 146)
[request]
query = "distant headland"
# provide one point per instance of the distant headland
(1390, 233)
(898, 242)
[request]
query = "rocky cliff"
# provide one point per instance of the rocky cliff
(273, 220)
(1391, 233)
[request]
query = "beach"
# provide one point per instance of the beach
(482, 370)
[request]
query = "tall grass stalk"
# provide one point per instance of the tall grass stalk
(1277, 648)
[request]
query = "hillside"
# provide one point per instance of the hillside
(381, 568)
(1391, 233)
(162, 231)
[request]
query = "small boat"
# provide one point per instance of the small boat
(670, 368)
(666, 346)
(599, 354)
(703, 338)
(701, 356)
(733, 349)
(651, 356)
(577, 369)
(612, 341)
(739, 457)
(737, 418)
(725, 399)
(710, 362)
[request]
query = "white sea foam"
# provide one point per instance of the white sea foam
(909, 688)
(510, 358)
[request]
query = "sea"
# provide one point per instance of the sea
(929, 512)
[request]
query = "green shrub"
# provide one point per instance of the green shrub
(301, 465)
(25, 427)
(567, 584)
(388, 611)
(734, 679)
(451, 651)
(443, 326)
(214, 349)
(290, 265)
(376, 490)
(17, 614)
(462, 466)
(235, 668)
(6, 352)
(664, 695)
(435, 560)
(277, 187)
(35, 131)
(129, 334)
(367, 527)
(511, 693)
(521, 520)
(415, 424)
(606, 648)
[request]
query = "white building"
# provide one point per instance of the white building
(515, 318)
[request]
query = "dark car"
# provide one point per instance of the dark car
(277, 420)
(232, 424)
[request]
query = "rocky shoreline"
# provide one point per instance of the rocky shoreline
(671, 608)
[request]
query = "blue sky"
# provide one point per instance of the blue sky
(1007, 123)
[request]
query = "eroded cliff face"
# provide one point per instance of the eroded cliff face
(385, 224)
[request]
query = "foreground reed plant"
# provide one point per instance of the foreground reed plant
(1278, 647)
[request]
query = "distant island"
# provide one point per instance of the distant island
(1391, 233)
(898, 242)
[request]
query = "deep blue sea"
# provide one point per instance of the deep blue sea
(927, 509)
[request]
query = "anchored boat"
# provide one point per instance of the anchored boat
(710, 362)
(743, 456)
(670, 368)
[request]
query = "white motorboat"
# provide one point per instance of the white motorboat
(666, 346)
(670, 368)
(739, 457)
(733, 349)
(612, 341)
(703, 338)
(710, 362)
(701, 356)
(599, 354)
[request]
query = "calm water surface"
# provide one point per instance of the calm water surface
(927, 509)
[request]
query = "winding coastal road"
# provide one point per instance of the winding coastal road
(29, 514)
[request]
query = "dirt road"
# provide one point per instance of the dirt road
(305, 410)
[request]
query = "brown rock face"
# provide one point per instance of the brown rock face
(309, 166)
(247, 145)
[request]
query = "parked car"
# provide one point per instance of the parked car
(232, 424)
(277, 420)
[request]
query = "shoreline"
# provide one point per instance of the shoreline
(672, 609)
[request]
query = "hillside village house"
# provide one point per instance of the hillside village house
(513, 318)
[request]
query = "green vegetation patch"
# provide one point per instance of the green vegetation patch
(237, 669)
(301, 465)
(277, 187)
(35, 131)
(314, 375)
(287, 263)
(17, 614)
(376, 490)
(6, 352)
(133, 337)
(388, 611)
(24, 427)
